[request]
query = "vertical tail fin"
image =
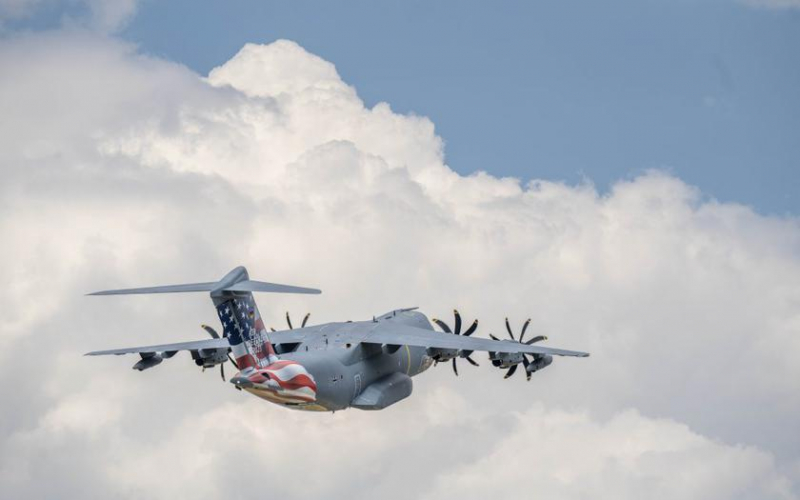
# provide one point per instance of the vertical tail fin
(241, 320)
(242, 325)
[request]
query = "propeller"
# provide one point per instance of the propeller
(457, 331)
(525, 361)
(215, 335)
(289, 321)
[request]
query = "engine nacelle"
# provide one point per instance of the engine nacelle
(505, 359)
(440, 355)
(149, 360)
(540, 362)
(209, 358)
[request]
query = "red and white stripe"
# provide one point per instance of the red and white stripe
(288, 380)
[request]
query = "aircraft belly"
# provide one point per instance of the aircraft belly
(286, 402)
(342, 375)
(334, 380)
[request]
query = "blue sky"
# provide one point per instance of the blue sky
(709, 90)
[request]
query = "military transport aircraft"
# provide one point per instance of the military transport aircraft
(363, 364)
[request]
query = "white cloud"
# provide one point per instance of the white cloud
(564, 455)
(121, 169)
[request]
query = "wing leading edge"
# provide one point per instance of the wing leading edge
(404, 335)
(180, 346)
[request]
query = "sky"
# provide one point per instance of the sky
(709, 90)
(142, 145)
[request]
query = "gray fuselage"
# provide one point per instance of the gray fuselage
(365, 376)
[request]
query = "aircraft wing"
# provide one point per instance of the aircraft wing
(404, 335)
(180, 346)
(361, 333)
(372, 333)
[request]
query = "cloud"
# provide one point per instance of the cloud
(121, 170)
(560, 453)
(629, 456)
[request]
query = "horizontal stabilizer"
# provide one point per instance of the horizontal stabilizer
(241, 286)
(193, 287)
(261, 286)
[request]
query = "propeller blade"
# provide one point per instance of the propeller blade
(458, 322)
(305, 320)
(525, 362)
(536, 339)
(233, 362)
(508, 327)
(442, 325)
(289, 320)
(471, 329)
(472, 361)
(511, 371)
(524, 327)
(455, 368)
(222, 371)
(493, 337)
(210, 331)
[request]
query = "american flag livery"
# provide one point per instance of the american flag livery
(242, 325)
(284, 381)
(281, 381)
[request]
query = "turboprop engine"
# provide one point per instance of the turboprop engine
(539, 361)
(439, 355)
(511, 361)
(209, 358)
(505, 360)
(151, 359)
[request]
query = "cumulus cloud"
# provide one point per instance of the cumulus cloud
(626, 457)
(121, 169)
